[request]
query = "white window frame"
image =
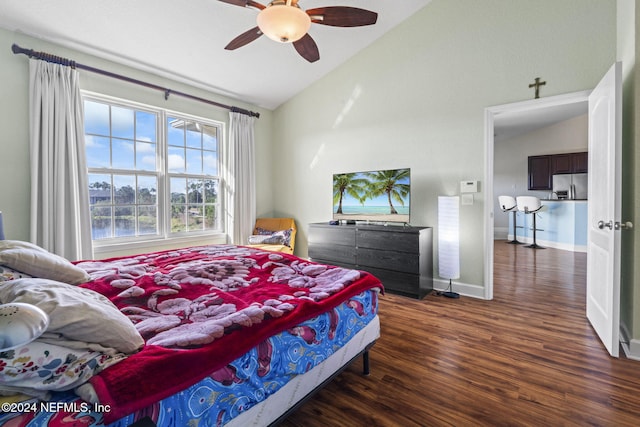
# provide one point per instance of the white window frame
(165, 236)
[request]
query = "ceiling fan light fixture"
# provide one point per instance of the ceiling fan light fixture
(284, 23)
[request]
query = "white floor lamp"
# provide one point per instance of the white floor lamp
(449, 241)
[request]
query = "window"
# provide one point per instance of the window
(152, 173)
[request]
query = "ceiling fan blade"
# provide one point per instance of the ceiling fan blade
(342, 16)
(244, 38)
(244, 3)
(307, 48)
(241, 3)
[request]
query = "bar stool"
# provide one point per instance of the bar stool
(508, 204)
(530, 205)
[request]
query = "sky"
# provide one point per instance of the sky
(133, 141)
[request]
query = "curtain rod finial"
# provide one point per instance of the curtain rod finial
(17, 49)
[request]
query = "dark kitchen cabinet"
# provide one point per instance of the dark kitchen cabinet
(539, 172)
(542, 168)
(580, 162)
(561, 163)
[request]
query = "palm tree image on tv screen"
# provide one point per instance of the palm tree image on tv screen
(381, 196)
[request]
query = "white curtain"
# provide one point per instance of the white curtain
(60, 220)
(241, 181)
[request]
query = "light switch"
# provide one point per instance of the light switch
(467, 199)
(468, 186)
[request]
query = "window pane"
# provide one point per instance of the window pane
(175, 131)
(178, 218)
(101, 222)
(209, 137)
(178, 190)
(98, 151)
(195, 191)
(194, 161)
(210, 191)
(145, 126)
(99, 189)
(210, 163)
(96, 118)
(124, 189)
(145, 156)
(122, 154)
(125, 221)
(121, 122)
(210, 218)
(196, 218)
(147, 220)
(194, 137)
(176, 160)
(147, 190)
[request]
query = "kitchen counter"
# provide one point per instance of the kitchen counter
(561, 224)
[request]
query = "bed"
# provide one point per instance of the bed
(207, 335)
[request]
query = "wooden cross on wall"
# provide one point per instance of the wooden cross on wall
(537, 85)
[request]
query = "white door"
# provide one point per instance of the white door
(603, 245)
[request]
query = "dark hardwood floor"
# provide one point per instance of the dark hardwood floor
(527, 358)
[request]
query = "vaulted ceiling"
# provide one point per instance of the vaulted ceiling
(185, 40)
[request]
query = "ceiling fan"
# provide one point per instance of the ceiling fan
(284, 22)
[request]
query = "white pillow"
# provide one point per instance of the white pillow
(12, 244)
(76, 313)
(37, 262)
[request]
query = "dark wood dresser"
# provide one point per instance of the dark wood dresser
(400, 256)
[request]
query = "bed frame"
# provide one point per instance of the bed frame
(365, 371)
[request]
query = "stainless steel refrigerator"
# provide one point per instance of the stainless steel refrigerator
(571, 186)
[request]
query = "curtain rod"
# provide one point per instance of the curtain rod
(73, 64)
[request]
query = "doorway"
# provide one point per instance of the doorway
(522, 116)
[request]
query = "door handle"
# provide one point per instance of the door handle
(628, 225)
(602, 225)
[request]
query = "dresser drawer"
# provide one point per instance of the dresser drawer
(398, 283)
(335, 254)
(332, 235)
(389, 241)
(396, 261)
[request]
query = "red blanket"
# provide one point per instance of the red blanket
(201, 308)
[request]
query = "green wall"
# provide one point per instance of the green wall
(416, 98)
(627, 26)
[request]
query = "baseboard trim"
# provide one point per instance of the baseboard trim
(466, 289)
(630, 347)
(500, 233)
(550, 244)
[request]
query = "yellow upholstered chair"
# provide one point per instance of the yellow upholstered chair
(282, 229)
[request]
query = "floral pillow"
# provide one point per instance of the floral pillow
(266, 240)
(7, 274)
(37, 368)
(285, 234)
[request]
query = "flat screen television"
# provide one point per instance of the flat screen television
(379, 195)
